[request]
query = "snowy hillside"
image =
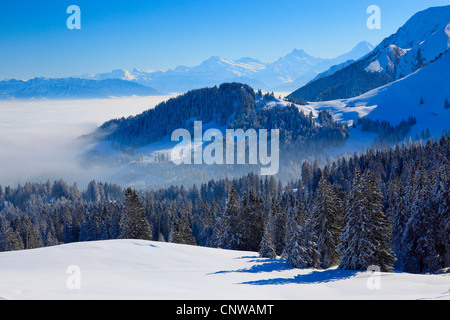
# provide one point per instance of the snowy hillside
(401, 99)
(135, 269)
(421, 40)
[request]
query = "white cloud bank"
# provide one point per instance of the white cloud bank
(38, 139)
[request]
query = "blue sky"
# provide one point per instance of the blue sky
(162, 34)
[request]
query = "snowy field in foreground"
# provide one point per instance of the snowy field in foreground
(134, 269)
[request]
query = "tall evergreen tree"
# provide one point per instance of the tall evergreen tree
(307, 254)
(267, 248)
(181, 232)
(365, 240)
(399, 211)
(133, 223)
(232, 236)
(419, 240)
(252, 221)
(384, 256)
(277, 217)
(442, 196)
(293, 252)
(10, 240)
(327, 214)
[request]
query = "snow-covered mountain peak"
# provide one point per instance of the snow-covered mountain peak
(212, 60)
(361, 49)
(122, 74)
(299, 53)
(421, 40)
(249, 60)
(422, 25)
(219, 67)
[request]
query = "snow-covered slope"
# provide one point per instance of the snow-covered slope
(401, 99)
(136, 269)
(423, 38)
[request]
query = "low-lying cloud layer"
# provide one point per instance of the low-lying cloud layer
(38, 139)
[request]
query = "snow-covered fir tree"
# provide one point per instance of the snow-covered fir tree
(327, 213)
(11, 240)
(365, 240)
(181, 231)
(308, 254)
(133, 223)
(267, 249)
(252, 221)
(398, 213)
(231, 237)
(420, 252)
(293, 252)
(277, 217)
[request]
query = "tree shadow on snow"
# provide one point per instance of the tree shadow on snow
(277, 265)
(262, 265)
(315, 277)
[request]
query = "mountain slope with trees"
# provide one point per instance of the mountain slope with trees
(231, 105)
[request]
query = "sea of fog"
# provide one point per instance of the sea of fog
(38, 138)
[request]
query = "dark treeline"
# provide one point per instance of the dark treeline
(296, 128)
(387, 208)
(387, 133)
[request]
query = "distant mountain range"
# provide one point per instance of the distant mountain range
(72, 88)
(285, 74)
(422, 40)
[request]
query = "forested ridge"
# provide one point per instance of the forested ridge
(389, 208)
(231, 105)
